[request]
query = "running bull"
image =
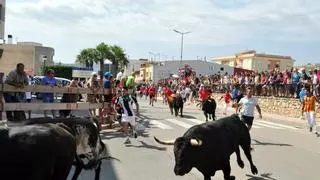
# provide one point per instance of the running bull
(209, 108)
(175, 102)
(208, 147)
(36, 152)
(90, 150)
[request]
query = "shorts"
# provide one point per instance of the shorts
(247, 119)
(128, 119)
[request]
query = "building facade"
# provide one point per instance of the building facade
(252, 60)
(157, 70)
(2, 18)
(33, 55)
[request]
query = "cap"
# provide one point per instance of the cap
(108, 74)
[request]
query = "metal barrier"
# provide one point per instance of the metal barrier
(49, 106)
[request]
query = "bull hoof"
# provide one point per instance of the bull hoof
(232, 177)
(241, 164)
(254, 170)
(181, 116)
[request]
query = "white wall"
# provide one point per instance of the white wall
(200, 67)
(247, 63)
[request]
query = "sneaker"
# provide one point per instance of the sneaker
(127, 141)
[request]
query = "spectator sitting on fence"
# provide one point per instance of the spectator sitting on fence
(18, 79)
(49, 80)
(69, 98)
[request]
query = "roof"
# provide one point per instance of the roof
(252, 53)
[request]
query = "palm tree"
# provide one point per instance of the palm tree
(121, 59)
(103, 52)
(86, 57)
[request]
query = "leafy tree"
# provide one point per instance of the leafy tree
(86, 57)
(101, 53)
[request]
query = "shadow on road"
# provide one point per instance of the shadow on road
(148, 146)
(265, 176)
(257, 142)
(108, 171)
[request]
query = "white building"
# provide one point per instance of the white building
(163, 69)
(2, 18)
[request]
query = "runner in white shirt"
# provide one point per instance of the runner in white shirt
(248, 104)
(128, 116)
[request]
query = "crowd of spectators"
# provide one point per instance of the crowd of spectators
(287, 83)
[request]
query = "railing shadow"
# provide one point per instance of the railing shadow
(265, 176)
(260, 143)
(148, 146)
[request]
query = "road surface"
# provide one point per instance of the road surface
(281, 151)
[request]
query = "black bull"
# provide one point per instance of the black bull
(176, 103)
(36, 152)
(209, 108)
(208, 147)
(90, 150)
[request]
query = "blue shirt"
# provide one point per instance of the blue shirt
(296, 77)
(301, 95)
(48, 82)
(235, 93)
(107, 84)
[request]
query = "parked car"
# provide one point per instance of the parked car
(61, 82)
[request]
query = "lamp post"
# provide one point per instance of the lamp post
(44, 59)
(182, 34)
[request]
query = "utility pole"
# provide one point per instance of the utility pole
(182, 34)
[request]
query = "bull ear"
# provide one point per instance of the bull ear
(195, 142)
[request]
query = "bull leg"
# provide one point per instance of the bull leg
(176, 112)
(206, 115)
(227, 171)
(98, 169)
(247, 151)
(207, 177)
(78, 169)
(239, 160)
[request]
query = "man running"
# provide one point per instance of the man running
(248, 104)
(128, 117)
(308, 109)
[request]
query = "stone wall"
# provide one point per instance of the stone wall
(280, 106)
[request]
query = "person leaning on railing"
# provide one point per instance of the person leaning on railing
(49, 80)
(18, 79)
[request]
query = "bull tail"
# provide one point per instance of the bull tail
(164, 142)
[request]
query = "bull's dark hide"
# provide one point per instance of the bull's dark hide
(176, 104)
(90, 148)
(209, 109)
(36, 152)
(208, 147)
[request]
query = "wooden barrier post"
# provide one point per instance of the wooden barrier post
(1, 95)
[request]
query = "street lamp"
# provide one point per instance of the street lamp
(182, 34)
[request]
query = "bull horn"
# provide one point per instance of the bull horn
(195, 142)
(164, 142)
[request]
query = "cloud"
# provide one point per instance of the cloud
(83, 23)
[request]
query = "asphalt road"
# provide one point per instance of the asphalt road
(281, 151)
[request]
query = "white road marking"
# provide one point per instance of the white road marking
(195, 121)
(159, 124)
(179, 123)
(280, 125)
(256, 127)
(266, 125)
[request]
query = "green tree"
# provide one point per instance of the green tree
(60, 71)
(121, 59)
(103, 52)
(86, 57)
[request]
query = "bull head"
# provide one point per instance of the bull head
(195, 142)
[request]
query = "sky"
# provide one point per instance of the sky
(145, 27)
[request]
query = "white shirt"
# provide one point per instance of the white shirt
(119, 75)
(248, 106)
